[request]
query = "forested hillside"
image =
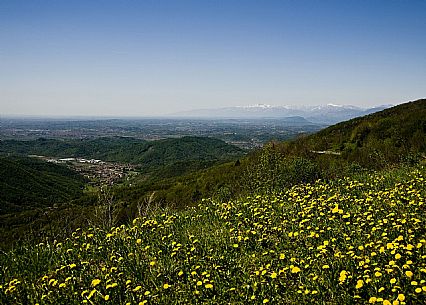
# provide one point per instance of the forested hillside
(147, 154)
(34, 191)
(27, 183)
(386, 137)
(37, 199)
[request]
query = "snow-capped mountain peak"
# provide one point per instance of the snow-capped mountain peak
(262, 106)
(322, 114)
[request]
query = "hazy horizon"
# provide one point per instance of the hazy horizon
(188, 114)
(146, 58)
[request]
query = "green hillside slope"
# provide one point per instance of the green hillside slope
(161, 159)
(384, 137)
(36, 195)
(280, 165)
(349, 241)
(127, 150)
(27, 183)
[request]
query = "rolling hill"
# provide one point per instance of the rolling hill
(27, 183)
(385, 137)
(124, 149)
(150, 156)
(357, 240)
(185, 170)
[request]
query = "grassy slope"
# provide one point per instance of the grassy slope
(344, 242)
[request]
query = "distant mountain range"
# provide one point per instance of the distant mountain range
(325, 114)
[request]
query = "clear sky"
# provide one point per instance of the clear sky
(157, 57)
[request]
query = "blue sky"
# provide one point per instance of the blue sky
(143, 58)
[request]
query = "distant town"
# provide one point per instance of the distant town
(97, 171)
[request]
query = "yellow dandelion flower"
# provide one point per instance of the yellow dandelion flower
(295, 270)
(359, 284)
(265, 301)
(209, 286)
(408, 273)
(95, 282)
(166, 286)
(401, 297)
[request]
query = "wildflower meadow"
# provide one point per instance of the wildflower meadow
(355, 240)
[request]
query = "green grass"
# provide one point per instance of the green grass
(346, 241)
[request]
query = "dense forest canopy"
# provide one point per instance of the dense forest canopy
(127, 150)
(27, 183)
